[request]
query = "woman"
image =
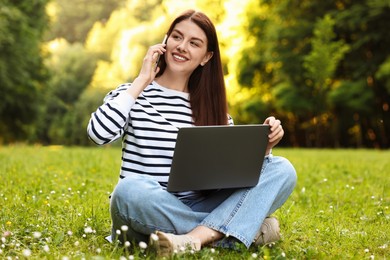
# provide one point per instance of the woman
(186, 89)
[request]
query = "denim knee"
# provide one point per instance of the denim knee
(131, 192)
(287, 170)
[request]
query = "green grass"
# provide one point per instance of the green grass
(54, 204)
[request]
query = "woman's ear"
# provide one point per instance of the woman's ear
(207, 57)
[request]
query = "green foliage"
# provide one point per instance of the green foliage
(22, 73)
(55, 204)
(73, 20)
(72, 68)
(305, 58)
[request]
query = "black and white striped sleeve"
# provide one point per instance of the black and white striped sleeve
(108, 121)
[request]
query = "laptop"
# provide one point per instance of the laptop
(218, 157)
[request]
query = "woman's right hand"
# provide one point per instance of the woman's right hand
(148, 70)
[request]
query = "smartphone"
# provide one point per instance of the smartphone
(158, 58)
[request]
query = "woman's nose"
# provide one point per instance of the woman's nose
(182, 47)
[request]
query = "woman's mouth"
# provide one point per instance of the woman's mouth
(179, 57)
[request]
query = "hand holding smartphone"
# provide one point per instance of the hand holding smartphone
(159, 56)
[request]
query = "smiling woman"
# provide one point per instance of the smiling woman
(186, 90)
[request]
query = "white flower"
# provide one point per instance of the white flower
(124, 228)
(77, 243)
(46, 248)
(70, 233)
(254, 255)
(88, 230)
(27, 252)
(154, 237)
(366, 250)
(37, 234)
(142, 245)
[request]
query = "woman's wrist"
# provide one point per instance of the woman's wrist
(137, 87)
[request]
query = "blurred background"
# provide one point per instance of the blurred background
(322, 67)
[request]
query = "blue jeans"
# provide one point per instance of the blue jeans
(140, 203)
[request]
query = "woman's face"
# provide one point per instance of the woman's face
(186, 48)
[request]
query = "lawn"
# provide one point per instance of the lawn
(54, 205)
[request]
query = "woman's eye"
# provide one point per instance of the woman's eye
(194, 44)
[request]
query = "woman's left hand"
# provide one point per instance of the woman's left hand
(276, 132)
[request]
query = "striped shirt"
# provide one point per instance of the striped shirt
(148, 126)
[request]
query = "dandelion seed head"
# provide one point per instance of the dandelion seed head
(77, 243)
(175, 251)
(372, 197)
(283, 254)
(131, 257)
(182, 249)
(70, 233)
(118, 232)
(46, 248)
(303, 190)
(3, 240)
(212, 250)
(127, 244)
(325, 180)
(142, 245)
(98, 250)
(366, 250)
(27, 252)
(122, 258)
(154, 237)
(1, 251)
(254, 255)
(372, 257)
(124, 228)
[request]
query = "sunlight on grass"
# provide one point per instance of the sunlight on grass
(54, 204)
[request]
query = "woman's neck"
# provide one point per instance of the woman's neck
(174, 82)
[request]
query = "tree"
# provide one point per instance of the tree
(71, 67)
(307, 70)
(72, 20)
(22, 72)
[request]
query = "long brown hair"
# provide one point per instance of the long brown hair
(206, 84)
